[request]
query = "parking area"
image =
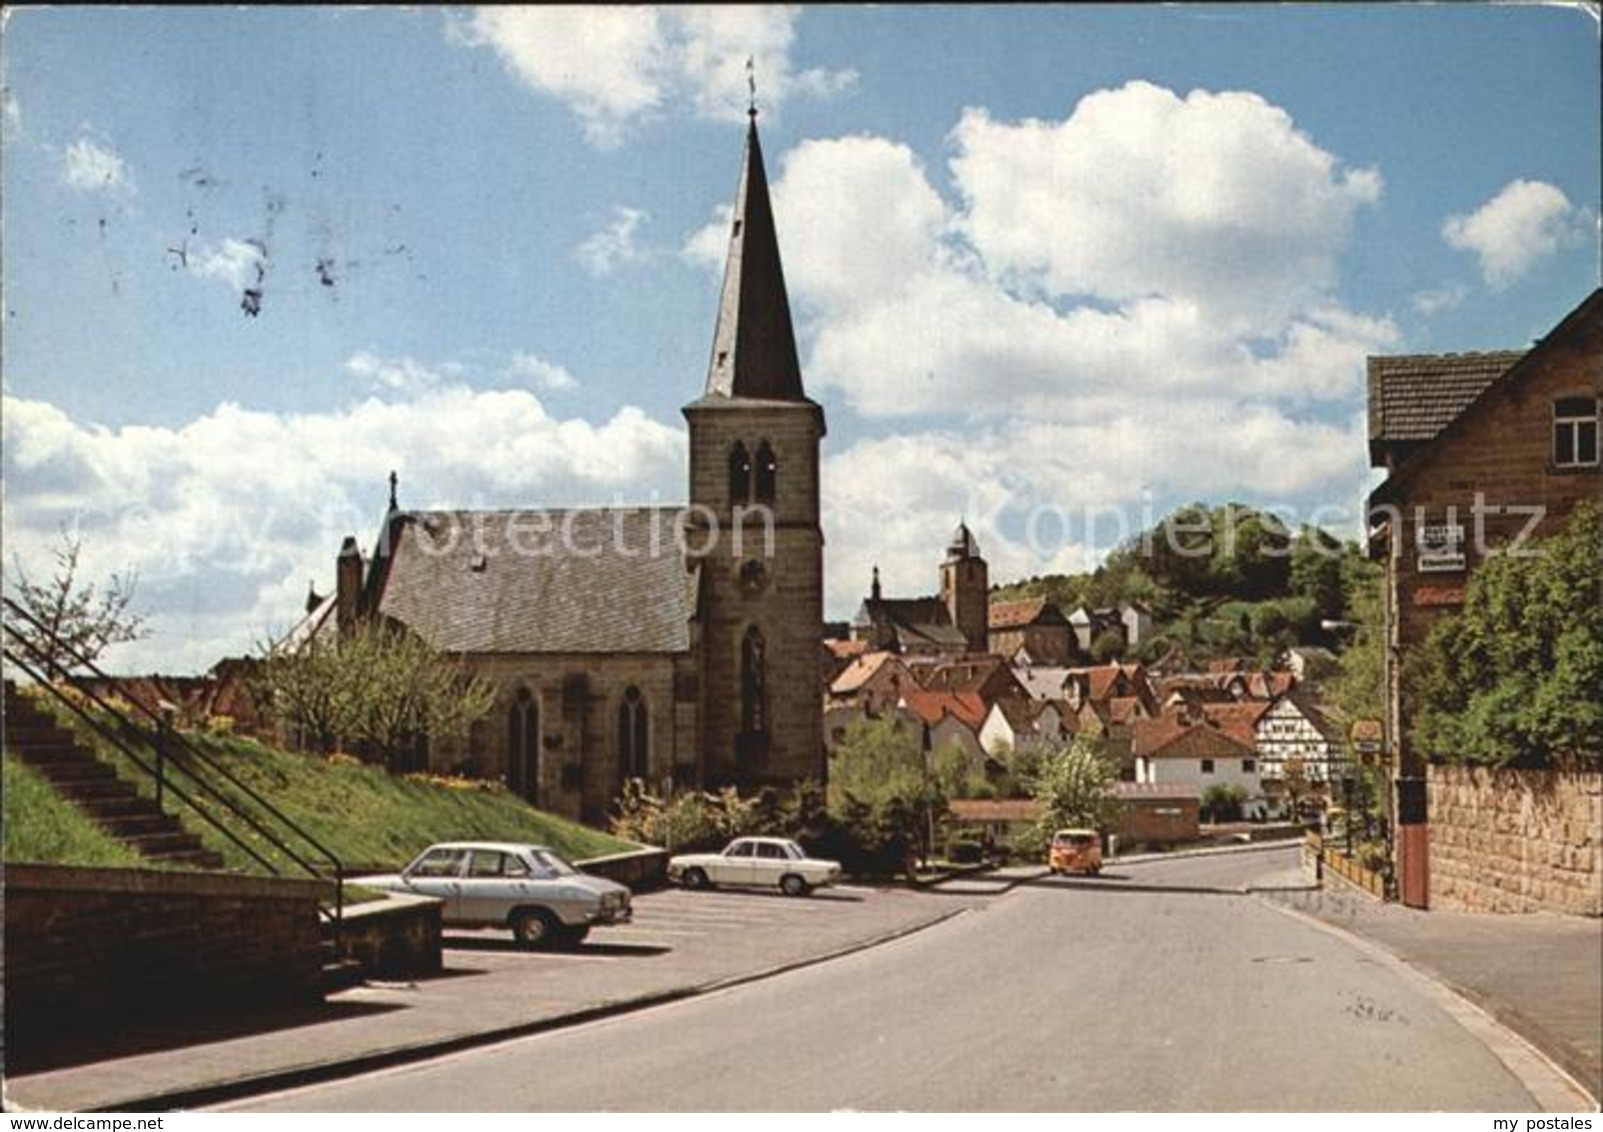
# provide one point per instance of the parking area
(679, 943)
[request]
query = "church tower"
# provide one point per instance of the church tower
(966, 589)
(753, 521)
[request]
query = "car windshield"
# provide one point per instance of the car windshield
(548, 864)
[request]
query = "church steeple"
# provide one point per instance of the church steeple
(754, 346)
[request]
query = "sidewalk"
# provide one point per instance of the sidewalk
(1539, 975)
(680, 945)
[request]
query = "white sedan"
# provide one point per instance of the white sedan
(528, 888)
(762, 862)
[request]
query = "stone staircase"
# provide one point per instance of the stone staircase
(79, 776)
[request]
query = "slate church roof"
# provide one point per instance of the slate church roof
(754, 346)
(601, 580)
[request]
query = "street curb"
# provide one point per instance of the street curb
(301, 1076)
(1209, 851)
(1553, 1059)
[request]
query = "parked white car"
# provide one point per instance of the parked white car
(765, 862)
(528, 888)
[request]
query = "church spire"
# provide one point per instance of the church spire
(754, 346)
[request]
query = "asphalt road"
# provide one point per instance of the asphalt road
(1140, 991)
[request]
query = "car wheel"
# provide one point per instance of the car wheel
(695, 878)
(534, 927)
(792, 885)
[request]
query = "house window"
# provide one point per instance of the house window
(1575, 432)
(766, 471)
(1248, 766)
(739, 473)
(1207, 766)
(634, 733)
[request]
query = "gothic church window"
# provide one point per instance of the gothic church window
(523, 742)
(766, 472)
(753, 682)
(739, 473)
(633, 735)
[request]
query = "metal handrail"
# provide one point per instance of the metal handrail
(40, 668)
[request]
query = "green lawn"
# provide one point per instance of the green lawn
(42, 828)
(362, 814)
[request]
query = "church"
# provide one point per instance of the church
(662, 643)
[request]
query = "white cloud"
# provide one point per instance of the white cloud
(1524, 224)
(226, 518)
(1439, 299)
(614, 246)
(88, 164)
(1046, 497)
(236, 263)
(13, 116)
(1007, 300)
(1214, 199)
(1211, 360)
(400, 375)
(613, 66)
(540, 373)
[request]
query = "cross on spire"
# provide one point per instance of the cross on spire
(751, 86)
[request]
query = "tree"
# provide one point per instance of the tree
(881, 790)
(1107, 646)
(1223, 802)
(381, 688)
(1073, 788)
(76, 623)
(1358, 690)
(1517, 677)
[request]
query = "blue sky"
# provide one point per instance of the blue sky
(1055, 268)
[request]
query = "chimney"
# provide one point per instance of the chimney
(348, 585)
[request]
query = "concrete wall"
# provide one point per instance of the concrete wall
(1516, 841)
(396, 938)
(103, 947)
(642, 869)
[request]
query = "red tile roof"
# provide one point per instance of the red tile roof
(860, 672)
(965, 707)
(1013, 614)
(1239, 720)
(846, 650)
(1175, 737)
(1124, 709)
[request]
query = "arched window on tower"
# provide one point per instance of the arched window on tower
(739, 473)
(753, 682)
(766, 471)
(634, 736)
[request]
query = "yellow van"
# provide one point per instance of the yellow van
(1075, 851)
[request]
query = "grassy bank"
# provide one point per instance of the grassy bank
(42, 828)
(362, 814)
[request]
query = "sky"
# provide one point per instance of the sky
(1055, 269)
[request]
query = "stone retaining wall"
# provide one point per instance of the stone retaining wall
(1516, 840)
(105, 947)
